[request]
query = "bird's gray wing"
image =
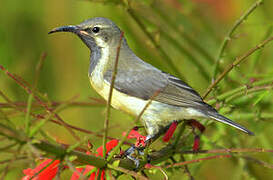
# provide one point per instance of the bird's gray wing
(178, 93)
(138, 83)
(145, 83)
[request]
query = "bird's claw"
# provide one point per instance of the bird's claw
(129, 154)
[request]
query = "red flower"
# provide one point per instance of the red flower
(51, 169)
(48, 173)
(140, 139)
(170, 132)
(76, 175)
(109, 146)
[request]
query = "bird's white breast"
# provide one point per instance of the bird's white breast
(156, 115)
(119, 100)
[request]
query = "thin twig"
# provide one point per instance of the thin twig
(30, 97)
(4, 172)
(264, 164)
(187, 170)
(237, 61)
(74, 170)
(53, 104)
(259, 85)
(235, 150)
(156, 157)
(184, 35)
(188, 54)
(17, 105)
(38, 69)
(250, 91)
(29, 91)
(126, 171)
(167, 60)
(230, 33)
(107, 116)
(180, 132)
(198, 160)
(181, 49)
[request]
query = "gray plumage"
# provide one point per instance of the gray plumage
(137, 78)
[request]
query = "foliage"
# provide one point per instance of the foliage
(222, 48)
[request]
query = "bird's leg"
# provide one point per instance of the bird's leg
(196, 125)
(149, 140)
(130, 151)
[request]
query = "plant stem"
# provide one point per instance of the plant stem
(180, 132)
(230, 33)
(237, 61)
(29, 91)
(185, 36)
(167, 60)
(108, 106)
(259, 85)
(27, 116)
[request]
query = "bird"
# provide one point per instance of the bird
(137, 81)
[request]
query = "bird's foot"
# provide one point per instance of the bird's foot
(132, 154)
(138, 150)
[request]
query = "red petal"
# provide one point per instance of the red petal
(133, 134)
(94, 176)
(48, 173)
(170, 132)
(140, 141)
(75, 175)
(109, 146)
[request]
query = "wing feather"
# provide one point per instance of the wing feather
(143, 84)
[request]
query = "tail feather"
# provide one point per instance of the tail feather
(223, 119)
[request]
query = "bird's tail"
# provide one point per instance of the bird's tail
(216, 116)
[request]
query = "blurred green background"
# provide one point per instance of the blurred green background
(190, 34)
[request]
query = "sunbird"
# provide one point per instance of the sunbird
(137, 81)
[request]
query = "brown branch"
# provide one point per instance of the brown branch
(52, 104)
(235, 150)
(187, 170)
(167, 60)
(237, 61)
(264, 164)
(230, 33)
(126, 171)
(40, 116)
(108, 105)
(82, 158)
(198, 160)
(29, 91)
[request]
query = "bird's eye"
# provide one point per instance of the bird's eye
(95, 29)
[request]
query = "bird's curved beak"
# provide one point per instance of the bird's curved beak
(70, 28)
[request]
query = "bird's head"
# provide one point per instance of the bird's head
(94, 32)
